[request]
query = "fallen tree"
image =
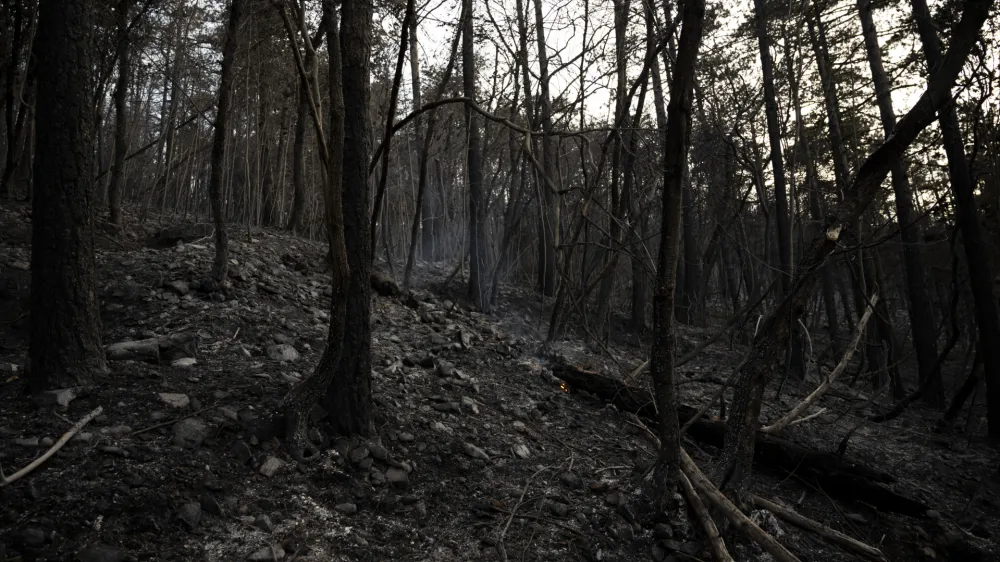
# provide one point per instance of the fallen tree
(830, 472)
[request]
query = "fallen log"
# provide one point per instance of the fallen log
(833, 474)
(163, 349)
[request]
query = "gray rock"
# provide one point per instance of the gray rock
(190, 514)
(102, 553)
(263, 522)
(359, 454)
(397, 477)
(406, 437)
(268, 554)
(470, 404)
(475, 452)
(190, 432)
(346, 508)
(559, 509)
(282, 352)
(184, 362)
(211, 506)
(663, 531)
(32, 537)
(175, 400)
(271, 466)
(242, 451)
(30, 442)
(180, 288)
(376, 477)
(445, 368)
(61, 397)
(521, 450)
(377, 451)
(571, 480)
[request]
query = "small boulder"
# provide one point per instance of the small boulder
(346, 508)
(282, 352)
(190, 432)
(397, 477)
(271, 466)
(475, 452)
(178, 287)
(184, 362)
(268, 554)
(190, 514)
(61, 397)
(175, 400)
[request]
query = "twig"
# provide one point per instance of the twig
(711, 531)
(735, 516)
(171, 422)
(830, 535)
(53, 449)
(513, 511)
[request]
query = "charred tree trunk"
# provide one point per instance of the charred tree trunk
(477, 205)
(298, 159)
(771, 341)
(678, 137)
(967, 217)
(349, 398)
(219, 142)
(549, 235)
(121, 110)
(65, 342)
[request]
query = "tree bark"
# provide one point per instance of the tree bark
(549, 234)
(349, 398)
(774, 138)
(219, 142)
(298, 158)
(967, 217)
(772, 338)
(477, 207)
(65, 340)
(678, 136)
(121, 110)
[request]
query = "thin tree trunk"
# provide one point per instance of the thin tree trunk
(121, 111)
(477, 207)
(220, 139)
(548, 240)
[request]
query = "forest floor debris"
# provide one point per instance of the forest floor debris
(480, 450)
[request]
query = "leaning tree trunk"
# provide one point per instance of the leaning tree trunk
(298, 158)
(219, 142)
(349, 398)
(678, 136)
(967, 216)
(477, 207)
(772, 339)
(65, 342)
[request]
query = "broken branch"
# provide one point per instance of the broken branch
(828, 534)
(53, 449)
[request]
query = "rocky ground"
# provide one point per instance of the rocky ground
(480, 453)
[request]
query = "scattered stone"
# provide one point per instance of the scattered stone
(30, 442)
(32, 537)
(211, 506)
(263, 522)
(282, 352)
(405, 437)
(613, 499)
(190, 514)
(521, 450)
(190, 432)
(571, 480)
(47, 441)
(175, 400)
(398, 477)
(21, 265)
(359, 454)
(102, 553)
(268, 554)
(377, 451)
(520, 427)
(445, 368)
(470, 404)
(271, 466)
(559, 509)
(346, 508)
(663, 531)
(475, 452)
(376, 477)
(180, 288)
(184, 362)
(61, 397)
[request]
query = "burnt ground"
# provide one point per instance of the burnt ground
(480, 453)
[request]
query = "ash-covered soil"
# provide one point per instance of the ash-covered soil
(480, 453)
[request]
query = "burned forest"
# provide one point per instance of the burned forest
(537, 280)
